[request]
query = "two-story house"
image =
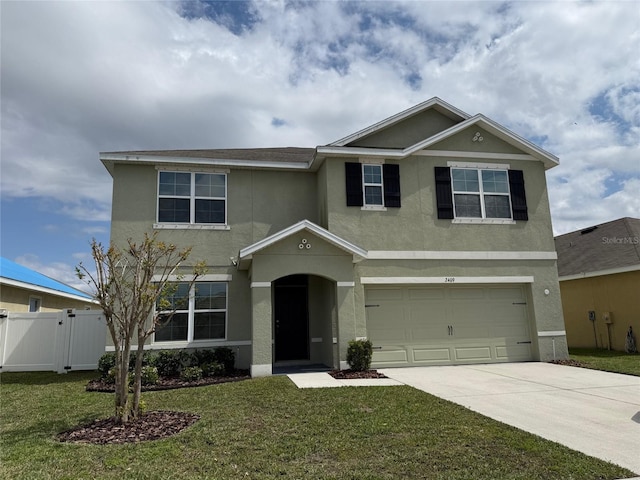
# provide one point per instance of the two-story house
(428, 233)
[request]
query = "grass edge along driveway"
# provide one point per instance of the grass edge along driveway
(267, 428)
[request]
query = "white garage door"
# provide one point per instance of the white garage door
(440, 325)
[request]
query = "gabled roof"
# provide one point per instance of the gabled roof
(549, 160)
(610, 247)
(247, 253)
(17, 275)
(435, 103)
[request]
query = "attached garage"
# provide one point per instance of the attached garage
(447, 324)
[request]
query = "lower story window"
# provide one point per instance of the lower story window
(199, 313)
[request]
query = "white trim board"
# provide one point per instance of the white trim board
(180, 345)
(442, 280)
(553, 333)
(458, 255)
(598, 273)
(45, 290)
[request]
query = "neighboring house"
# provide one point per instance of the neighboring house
(599, 269)
(428, 233)
(24, 290)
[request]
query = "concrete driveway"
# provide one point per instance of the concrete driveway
(597, 413)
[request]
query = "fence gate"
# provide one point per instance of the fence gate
(52, 341)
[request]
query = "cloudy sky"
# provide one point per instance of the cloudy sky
(83, 77)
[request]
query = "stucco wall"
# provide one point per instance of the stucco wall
(16, 299)
(617, 294)
(415, 225)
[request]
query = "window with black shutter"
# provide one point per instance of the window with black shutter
(372, 185)
(476, 193)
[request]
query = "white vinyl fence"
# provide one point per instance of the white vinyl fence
(52, 341)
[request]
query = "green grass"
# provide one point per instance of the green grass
(267, 428)
(607, 360)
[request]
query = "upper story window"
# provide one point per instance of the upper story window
(471, 193)
(480, 193)
(192, 198)
(372, 185)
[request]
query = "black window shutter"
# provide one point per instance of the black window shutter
(391, 178)
(518, 195)
(444, 195)
(353, 175)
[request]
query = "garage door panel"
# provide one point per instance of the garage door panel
(390, 356)
(514, 352)
(473, 353)
(434, 293)
(431, 355)
(448, 324)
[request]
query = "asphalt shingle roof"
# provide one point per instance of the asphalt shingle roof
(610, 245)
(19, 273)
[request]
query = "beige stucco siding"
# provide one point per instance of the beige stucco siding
(259, 203)
(16, 299)
(409, 132)
(616, 294)
(415, 226)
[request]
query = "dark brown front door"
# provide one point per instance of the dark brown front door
(291, 316)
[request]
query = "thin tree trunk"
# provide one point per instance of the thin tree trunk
(137, 385)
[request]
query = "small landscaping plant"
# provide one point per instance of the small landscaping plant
(225, 357)
(169, 362)
(149, 375)
(106, 363)
(359, 355)
(191, 374)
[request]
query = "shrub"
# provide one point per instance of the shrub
(190, 374)
(110, 377)
(149, 375)
(169, 362)
(202, 357)
(359, 354)
(212, 369)
(225, 357)
(106, 363)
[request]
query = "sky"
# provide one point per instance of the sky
(78, 78)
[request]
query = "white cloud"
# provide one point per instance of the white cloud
(84, 77)
(61, 272)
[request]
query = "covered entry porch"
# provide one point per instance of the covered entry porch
(303, 307)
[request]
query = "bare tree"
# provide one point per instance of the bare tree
(132, 285)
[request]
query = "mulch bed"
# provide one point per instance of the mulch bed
(568, 362)
(149, 426)
(171, 383)
(353, 374)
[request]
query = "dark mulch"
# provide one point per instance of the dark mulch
(171, 383)
(149, 426)
(351, 374)
(569, 362)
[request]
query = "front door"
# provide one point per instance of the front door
(291, 315)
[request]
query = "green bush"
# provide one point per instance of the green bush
(202, 357)
(359, 354)
(149, 375)
(225, 357)
(212, 369)
(169, 362)
(110, 377)
(106, 363)
(190, 374)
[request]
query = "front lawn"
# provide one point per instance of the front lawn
(267, 428)
(607, 360)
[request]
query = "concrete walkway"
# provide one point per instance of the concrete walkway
(597, 413)
(324, 380)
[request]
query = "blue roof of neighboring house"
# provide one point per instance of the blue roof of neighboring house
(12, 271)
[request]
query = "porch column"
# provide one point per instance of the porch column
(261, 330)
(345, 303)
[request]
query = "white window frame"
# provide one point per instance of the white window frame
(372, 206)
(481, 193)
(192, 202)
(191, 311)
(37, 301)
